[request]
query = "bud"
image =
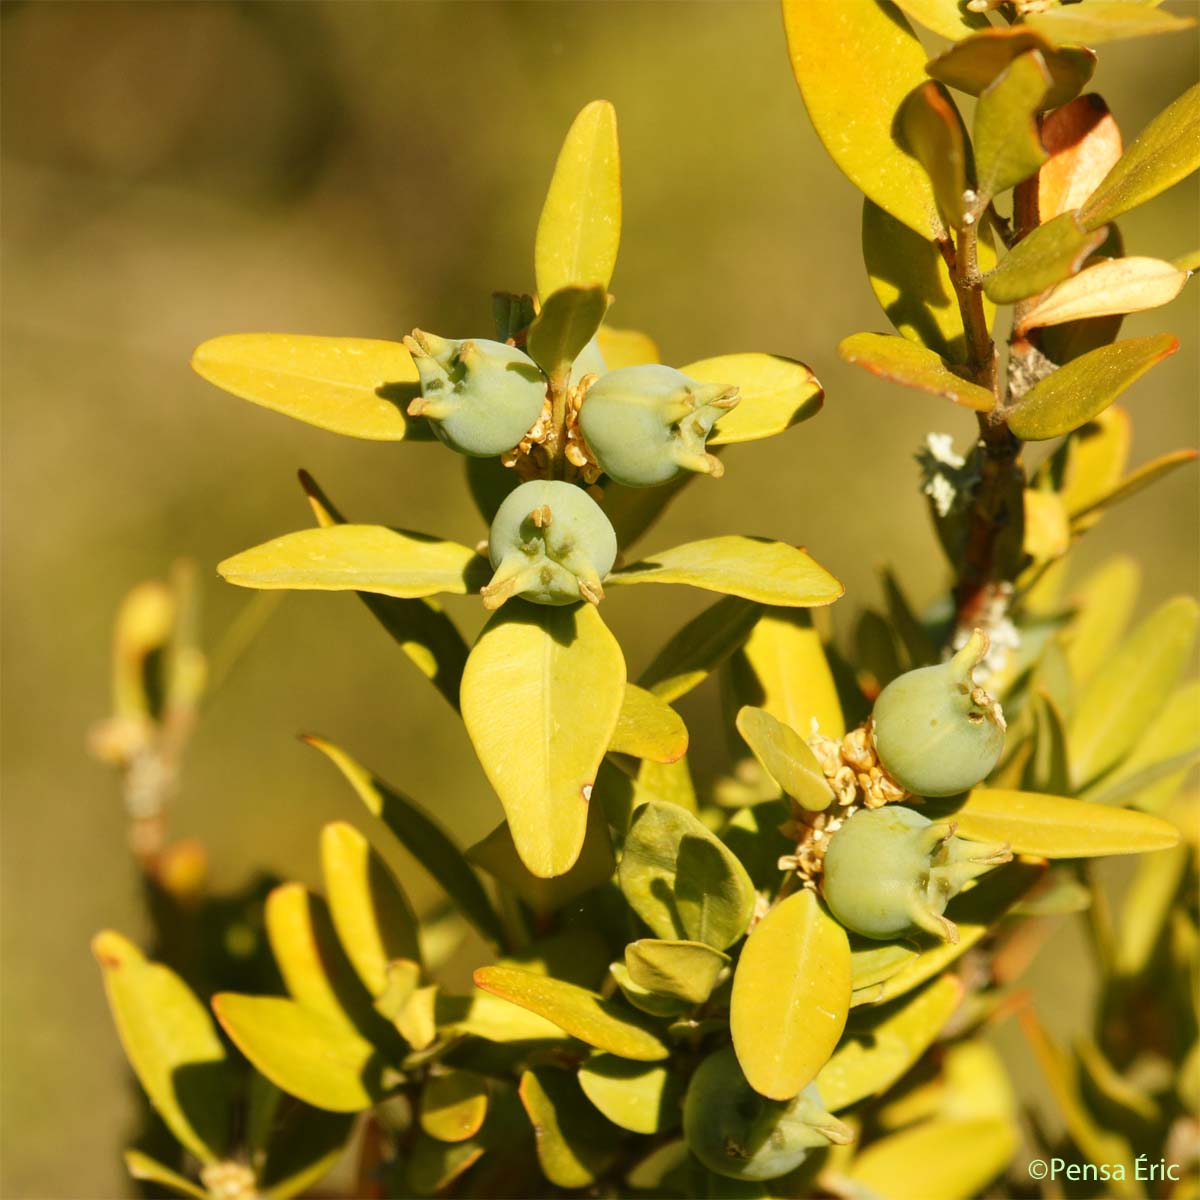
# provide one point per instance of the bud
(737, 1133)
(646, 425)
(479, 397)
(551, 543)
(936, 732)
(889, 870)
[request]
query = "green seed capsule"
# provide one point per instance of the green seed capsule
(479, 397)
(551, 543)
(936, 732)
(737, 1133)
(890, 870)
(648, 424)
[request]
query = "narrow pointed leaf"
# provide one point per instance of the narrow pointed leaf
(699, 648)
(643, 1098)
(1106, 21)
(1048, 771)
(1008, 149)
(1058, 827)
(171, 1045)
(1095, 460)
(373, 918)
(605, 1024)
(1075, 393)
(573, 1147)
(1120, 285)
(356, 386)
(648, 727)
(682, 880)
(871, 1058)
(1133, 483)
(774, 394)
(424, 632)
(1103, 605)
(541, 696)
(307, 1054)
(1130, 689)
(874, 962)
(1051, 253)
(626, 348)
(937, 1160)
(949, 18)
(569, 320)
(904, 362)
(786, 757)
(497, 854)
(1146, 909)
(757, 569)
(685, 970)
(973, 63)
(145, 1169)
(791, 995)
(1084, 143)
(1165, 152)
(453, 1105)
(421, 836)
(830, 43)
(357, 558)
(580, 226)
(934, 135)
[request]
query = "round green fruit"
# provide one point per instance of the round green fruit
(480, 397)
(936, 732)
(737, 1133)
(551, 543)
(648, 424)
(890, 870)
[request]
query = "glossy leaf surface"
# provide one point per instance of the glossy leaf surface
(773, 395)
(568, 320)
(1049, 254)
(453, 1105)
(573, 1147)
(1120, 285)
(786, 757)
(640, 1097)
(684, 970)
(649, 728)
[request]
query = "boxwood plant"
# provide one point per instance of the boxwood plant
(779, 984)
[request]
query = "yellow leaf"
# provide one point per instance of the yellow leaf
(1120, 285)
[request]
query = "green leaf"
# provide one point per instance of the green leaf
(541, 696)
(789, 674)
(453, 1105)
(665, 1168)
(973, 63)
(432, 1166)
(933, 132)
(573, 1146)
(1104, 603)
(142, 1167)
(752, 833)
(421, 836)
(685, 970)
(949, 18)
(904, 362)
(357, 558)
(1008, 149)
(1047, 770)
(791, 995)
(643, 999)
(1104, 21)
(315, 969)
(493, 1019)
(1051, 253)
(307, 1054)
(682, 880)
(1118, 285)
(357, 386)
(375, 922)
(700, 647)
(580, 226)
(874, 962)
(1146, 909)
(1075, 393)
(171, 1044)
(304, 1146)
(833, 44)
(429, 637)
(757, 569)
(870, 1058)
(605, 1024)
(568, 321)
(1155, 768)
(649, 728)
(1130, 689)
(786, 757)
(975, 913)
(1165, 152)
(640, 1097)
(1058, 827)
(938, 1160)
(1133, 483)
(497, 854)
(774, 394)
(670, 782)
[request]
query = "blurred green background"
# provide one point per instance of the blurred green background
(176, 171)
